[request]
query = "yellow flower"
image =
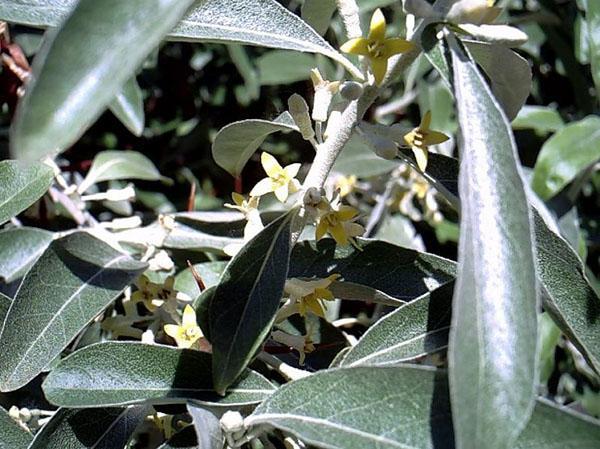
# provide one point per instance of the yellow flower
(153, 295)
(376, 47)
(186, 334)
(280, 180)
(309, 295)
(245, 206)
(339, 224)
(421, 137)
(345, 184)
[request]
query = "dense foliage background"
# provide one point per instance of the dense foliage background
(185, 93)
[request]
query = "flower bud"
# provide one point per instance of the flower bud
(232, 422)
(324, 92)
(351, 90)
(299, 112)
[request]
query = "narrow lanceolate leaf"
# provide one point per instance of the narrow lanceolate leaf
(318, 13)
(363, 407)
(254, 22)
(111, 165)
(509, 74)
(101, 428)
(567, 293)
(123, 373)
(12, 436)
(566, 154)
(236, 143)
(398, 272)
(246, 299)
(19, 249)
(128, 107)
(207, 426)
(81, 68)
(184, 439)
(4, 306)
(416, 329)
(403, 407)
(71, 283)
(492, 354)
(21, 185)
(592, 15)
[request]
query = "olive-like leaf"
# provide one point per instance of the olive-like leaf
(399, 272)
(72, 282)
(509, 74)
(124, 373)
(4, 306)
(79, 70)
(184, 439)
(207, 426)
(398, 407)
(542, 119)
(592, 15)
(246, 299)
(112, 165)
(565, 155)
(568, 296)
(492, 351)
(415, 329)
(100, 428)
(21, 185)
(128, 107)
(12, 436)
(265, 23)
(235, 143)
(318, 13)
(19, 249)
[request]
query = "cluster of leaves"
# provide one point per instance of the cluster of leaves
(143, 331)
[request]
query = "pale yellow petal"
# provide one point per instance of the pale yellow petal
(425, 121)
(321, 229)
(316, 77)
(263, 187)
(435, 137)
(282, 192)
(346, 213)
(315, 307)
(294, 186)
(379, 68)
(270, 165)
(356, 46)
(354, 229)
(421, 157)
(237, 198)
(323, 293)
(172, 330)
(396, 46)
(339, 234)
(291, 170)
(189, 317)
(377, 27)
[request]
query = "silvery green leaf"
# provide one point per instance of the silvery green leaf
(112, 165)
(21, 185)
(82, 66)
(245, 301)
(492, 352)
(209, 272)
(357, 159)
(253, 22)
(184, 439)
(12, 436)
(207, 427)
(405, 406)
(99, 428)
(19, 249)
(401, 273)
(568, 296)
(415, 329)
(505, 35)
(564, 155)
(509, 74)
(124, 373)
(592, 15)
(284, 67)
(128, 107)
(318, 13)
(235, 143)
(72, 282)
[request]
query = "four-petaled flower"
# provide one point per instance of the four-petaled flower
(339, 223)
(376, 47)
(309, 295)
(186, 334)
(421, 137)
(280, 181)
